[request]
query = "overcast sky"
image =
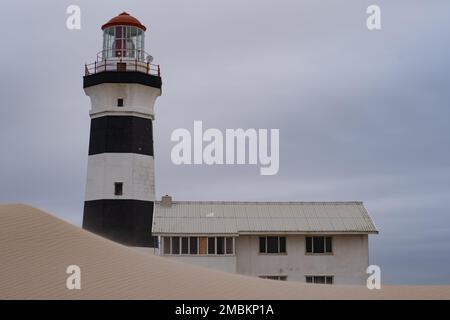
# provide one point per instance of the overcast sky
(363, 115)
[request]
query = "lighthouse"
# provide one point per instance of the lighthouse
(122, 85)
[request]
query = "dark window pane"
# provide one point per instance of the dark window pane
(212, 245)
(175, 245)
(318, 244)
(193, 245)
(262, 244)
(319, 279)
(328, 245)
(166, 244)
(272, 244)
(309, 245)
(220, 245)
(184, 245)
(329, 280)
(120, 102)
(118, 188)
(283, 244)
(309, 279)
(229, 245)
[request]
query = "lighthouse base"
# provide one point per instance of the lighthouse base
(126, 221)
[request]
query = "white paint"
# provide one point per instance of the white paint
(136, 171)
(138, 99)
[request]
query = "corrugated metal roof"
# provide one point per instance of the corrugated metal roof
(217, 217)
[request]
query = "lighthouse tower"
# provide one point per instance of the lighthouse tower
(122, 85)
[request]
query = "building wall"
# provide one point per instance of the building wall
(347, 264)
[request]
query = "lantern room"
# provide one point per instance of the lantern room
(123, 48)
(123, 38)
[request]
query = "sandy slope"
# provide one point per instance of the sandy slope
(36, 248)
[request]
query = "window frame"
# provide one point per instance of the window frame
(279, 252)
(325, 245)
(315, 277)
(197, 237)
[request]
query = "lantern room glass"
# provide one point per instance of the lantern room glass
(123, 42)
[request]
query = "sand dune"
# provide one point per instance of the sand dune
(36, 248)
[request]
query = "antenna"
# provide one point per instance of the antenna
(149, 58)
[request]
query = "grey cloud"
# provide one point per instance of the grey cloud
(362, 115)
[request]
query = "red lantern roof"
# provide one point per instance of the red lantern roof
(124, 19)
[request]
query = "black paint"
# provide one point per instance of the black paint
(122, 77)
(121, 134)
(125, 221)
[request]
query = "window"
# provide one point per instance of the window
(193, 245)
(319, 279)
(262, 244)
(175, 245)
(328, 246)
(211, 245)
(220, 245)
(120, 102)
(123, 41)
(198, 245)
(272, 244)
(280, 278)
(166, 245)
(118, 188)
(184, 245)
(282, 244)
(229, 245)
(203, 242)
(319, 245)
(309, 247)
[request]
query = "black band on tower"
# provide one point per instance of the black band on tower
(122, 77)
(125, 221)
(121, 134)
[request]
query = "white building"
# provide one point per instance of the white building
(320, 242)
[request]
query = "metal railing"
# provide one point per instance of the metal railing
(117, 62)
(138, 54)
